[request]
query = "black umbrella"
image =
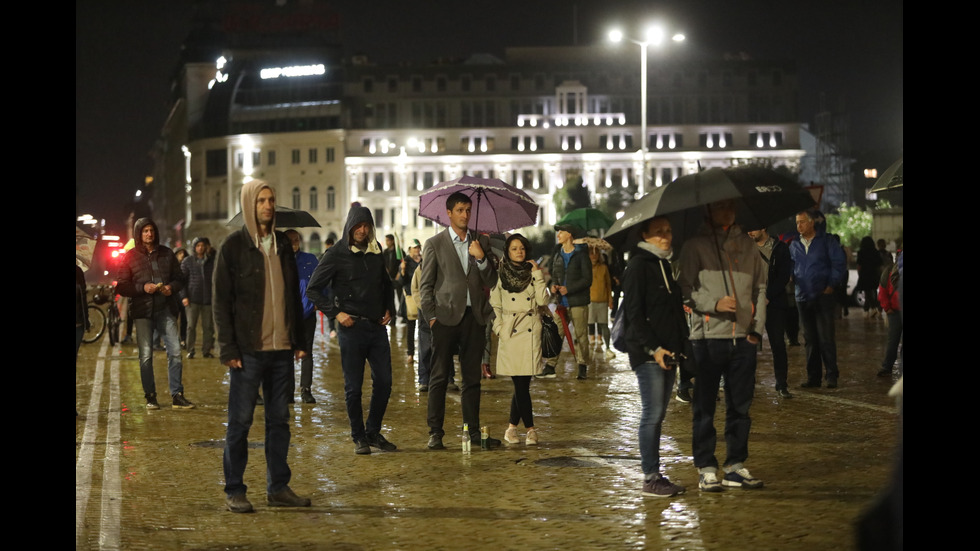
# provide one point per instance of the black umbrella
(285, 218)
(762, 197)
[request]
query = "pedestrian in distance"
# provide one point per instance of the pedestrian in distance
(258, 315)
(198, 271)
(305, 264)
(150, 276)
(516, 299)
(571, 281)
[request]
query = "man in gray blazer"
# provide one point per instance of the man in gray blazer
(455, 276)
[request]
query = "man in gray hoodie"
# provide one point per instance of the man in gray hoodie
(723, 280)
(259, 318)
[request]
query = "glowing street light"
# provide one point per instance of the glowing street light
(653, 36)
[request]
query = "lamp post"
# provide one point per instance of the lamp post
(653, 36)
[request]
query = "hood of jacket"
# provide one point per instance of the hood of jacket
(355, 216)
(250, 193)
(138, 234)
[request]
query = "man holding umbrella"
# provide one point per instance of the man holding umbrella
(723, 280)
(455, 272)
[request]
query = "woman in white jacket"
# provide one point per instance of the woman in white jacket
(515, 301)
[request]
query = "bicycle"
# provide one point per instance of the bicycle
(100, 320)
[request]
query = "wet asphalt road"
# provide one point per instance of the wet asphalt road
(153, 479)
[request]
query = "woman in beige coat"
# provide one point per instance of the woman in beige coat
(515, 301)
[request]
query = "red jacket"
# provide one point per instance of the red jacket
(887, 293)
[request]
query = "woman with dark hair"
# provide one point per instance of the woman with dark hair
(656, 330)
(515, 299)
(869, 272)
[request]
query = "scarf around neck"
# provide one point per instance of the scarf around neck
(514, 277)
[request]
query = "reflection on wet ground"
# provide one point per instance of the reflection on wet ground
(153, 480)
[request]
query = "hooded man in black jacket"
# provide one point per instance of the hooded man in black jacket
(354, 270)
(151, 277)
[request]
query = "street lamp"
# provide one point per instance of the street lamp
(654, 36)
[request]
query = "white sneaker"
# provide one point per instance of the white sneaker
(511, 436)
(532, 438)
(610, 354)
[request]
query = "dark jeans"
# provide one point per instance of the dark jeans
(306, 362)
(410, 336)
(365, 341)
(656, 384)
(817, 319)
(793, 324)
(894, 340)
(776, 328)
(736, 360)
(520, 404)
(204, 313)
(274, 372)
(467, 337)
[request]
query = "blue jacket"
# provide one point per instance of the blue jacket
(825, 265)
(305, 264)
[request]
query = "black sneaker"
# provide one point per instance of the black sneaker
(810, 384)
(784, 393)
(582, 368)
(182, 403)
(661, 487)
(307, 396)
(208, 355)
(287, 498)
(423, 388)
(151, 401)
(684, 395)
(435, 442)
(548, 373)
(361, 447)
(453, 387)
(492, 443)
(379, 441)
(190, 355)
(832, 383)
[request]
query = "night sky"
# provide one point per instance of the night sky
(849, 52)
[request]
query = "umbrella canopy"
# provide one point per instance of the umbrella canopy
(285, 218)
(762, 196)
(892, 178)
(588, 219)
(497, 206)
(594, 243)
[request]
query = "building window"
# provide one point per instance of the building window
(765, 140)
(440, 84)
(271, 158)
(331, 198)
(392, 84)
(239, 159)
(296, 198)
(379, 218)
(313, 155)
(368, 85)
(416, 84)
(515, 83)
(216, 162)
(314, 204)
(295, 156)
(314, 245)
(256, 158)
(465, 83)
(331, 156)
(491, 83)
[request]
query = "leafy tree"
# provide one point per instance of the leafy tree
(852, 222)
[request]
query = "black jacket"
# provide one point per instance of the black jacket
(780, 270)
(239, 294)
(654, 308)
(359, 281)
(140, 267)
(577, 277)
(198, 278)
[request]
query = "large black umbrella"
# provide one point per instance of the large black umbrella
(893, 178)
(762, 196)
(285, 218)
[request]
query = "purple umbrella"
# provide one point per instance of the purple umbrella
(497, 206)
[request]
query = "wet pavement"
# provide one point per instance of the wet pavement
(153, 479)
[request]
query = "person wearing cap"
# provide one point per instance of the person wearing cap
(571, 281)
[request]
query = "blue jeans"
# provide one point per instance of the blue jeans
(817, 319)
(166, 324)
(656, 385)
(274, 372)
(365, 341)
(736, 360)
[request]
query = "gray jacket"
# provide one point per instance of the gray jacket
(717, 263)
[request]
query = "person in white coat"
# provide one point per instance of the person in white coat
(515, 301)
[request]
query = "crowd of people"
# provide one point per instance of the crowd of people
(697, 321)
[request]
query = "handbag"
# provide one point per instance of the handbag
(550, 337)
(617, 335)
